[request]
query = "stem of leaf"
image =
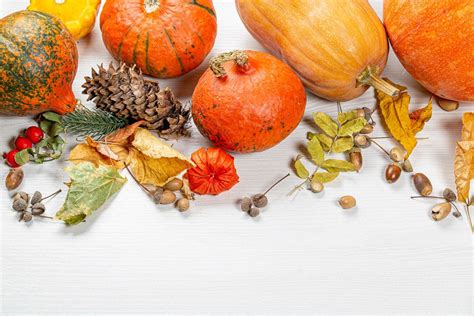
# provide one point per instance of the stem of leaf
(276, 183)
(379, 146)
(51, 195)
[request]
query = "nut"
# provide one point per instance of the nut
(449, 195)
(447, 105)
(392, 173)
(26, 217)
(254, 212)
(174, 185)
(368, 113)
(182, 204)
(157, 194)
(361, 141)
(36, 198)
(167, 197)
(397, 154)
(21, 196)
(355, 157)
(440, 211)
(246, 204)
(367, 129)
(14, 179)
(422, 184)
(407, 166)
(316, 186)
(347, 202)
(259, 200)
(38, 209)
(359, 113)
(20, 205)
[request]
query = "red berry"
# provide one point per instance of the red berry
(34, 133)
(23, 143)
(10, 158)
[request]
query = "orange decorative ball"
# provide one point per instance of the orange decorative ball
(248, 101)
(165, 39)
(434, 41)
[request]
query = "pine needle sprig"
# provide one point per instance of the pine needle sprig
(96, 123)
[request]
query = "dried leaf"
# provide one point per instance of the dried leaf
(351, 127)
(325, 177)
(316, 151)
(89, 189)
(153, 161)
(343, 117)
(87, 153)
(419, 117)
(325, 123)
(121, 136)
(325, 141)
(335, 165)
(467, 126)
(300, 169)
(343, 144)
(463, 168)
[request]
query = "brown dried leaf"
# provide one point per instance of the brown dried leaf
(463, 168)
(419, 117)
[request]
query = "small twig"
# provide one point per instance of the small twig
(51, 195)
(427, 197)
(276, 183)
(387, 137)
(136, 180)
(378, 145)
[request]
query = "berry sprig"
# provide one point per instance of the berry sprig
(38, 144)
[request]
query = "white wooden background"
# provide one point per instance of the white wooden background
(303, 255)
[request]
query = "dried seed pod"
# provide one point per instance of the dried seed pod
(440, 211)
(367, 129)
(316, 186)
(422, 184)
(14, 179)
(246, 204)
(182, 204)
(21, 196)
(361, 141)
(392, 173)
(449, 195)
(254, 212)
(26, 217)
(347, 202)
(156, 195)
(359, 112)
(174, 185)
(406, 166)
(355, 157)
(36, 198)
(368, 114)
(447, 105)
(397, 154)
(457, 214)
(38, 209)
(20, 205)
(167, 197)
(259, 200)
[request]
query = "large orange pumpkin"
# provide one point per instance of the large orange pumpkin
(164, 38)
(337, 47)
(434, 41)
(248, 101)
(38, 62)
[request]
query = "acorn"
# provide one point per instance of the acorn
(392, 173)
(38, 209)
(14, 179)
(422, 184)
(396, 154)
(449, 195)
(26, 217)
(440, 211)
(355, 157)
(447, 105)
(316, 186)
(167, 197)
(182, 204)
(347, 202)
(259, 200)
(20, 205)
(359, 113)
(246, 204)
(361, 141)
(367, 129)
(174, 185)
(407, 166)
(254, 212)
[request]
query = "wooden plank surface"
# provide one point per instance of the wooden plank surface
(303, 255)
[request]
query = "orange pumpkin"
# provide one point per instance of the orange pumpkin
(248, 101)
(164, 38)
(38, 64)
(434, 41)
(337, 47)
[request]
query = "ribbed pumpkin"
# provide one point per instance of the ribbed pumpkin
(164, 38)
(434, 41)
(248, 101)
(37, 65)
(337, 47)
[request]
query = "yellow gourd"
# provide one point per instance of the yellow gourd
(77, 15)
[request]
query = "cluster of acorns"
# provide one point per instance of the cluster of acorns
(167, 194)
(28, 208)
(32, 135)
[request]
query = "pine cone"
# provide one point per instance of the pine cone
(124, 92)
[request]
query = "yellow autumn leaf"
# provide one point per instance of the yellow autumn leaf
(467, 126)
(153, 161)
(402, 125)
(464, 158)
(87, 153)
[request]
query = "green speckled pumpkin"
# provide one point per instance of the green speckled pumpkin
(37, 66)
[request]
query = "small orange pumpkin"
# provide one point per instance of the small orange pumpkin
(38, 64)
(434, 41)
(248, 101)
(164, 38)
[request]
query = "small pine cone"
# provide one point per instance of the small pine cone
(124, 92)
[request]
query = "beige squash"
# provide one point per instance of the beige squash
(337, 47)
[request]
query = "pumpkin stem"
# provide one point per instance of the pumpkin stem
(369, 77)
(238, 56)
(151, 5)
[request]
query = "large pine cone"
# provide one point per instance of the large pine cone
(124, 92)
